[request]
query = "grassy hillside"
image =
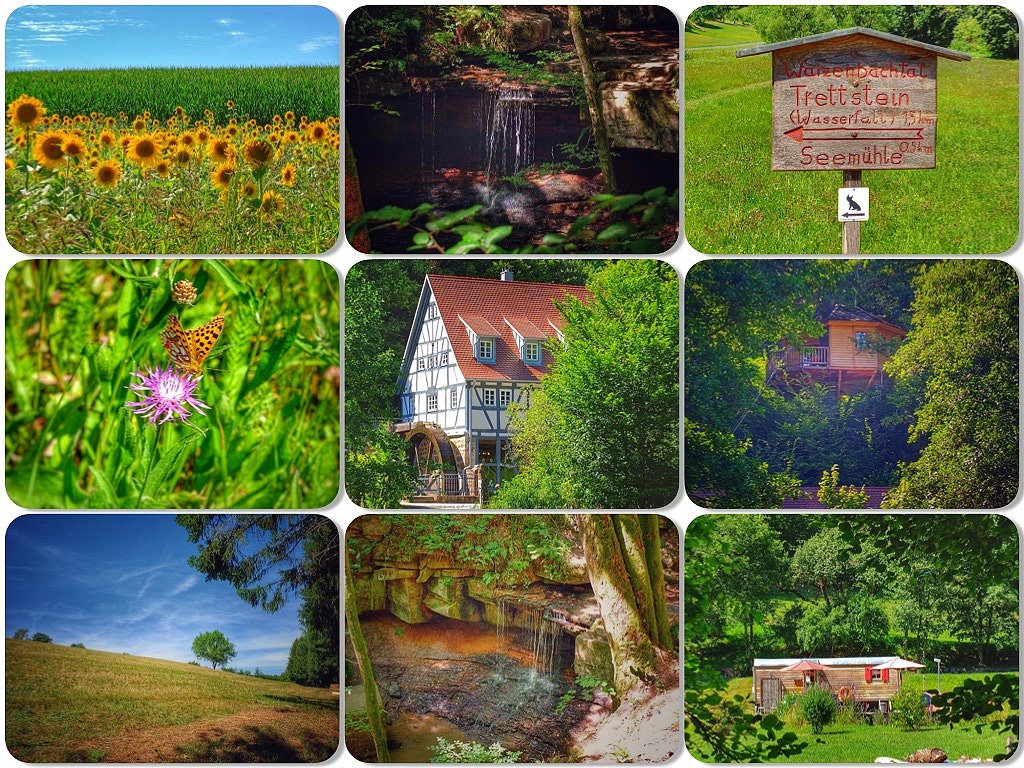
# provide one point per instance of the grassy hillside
(736, 204)
(70, 705)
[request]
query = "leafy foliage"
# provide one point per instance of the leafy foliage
(21, 634)
(908, 711)
(456, 751)
(835, 496)
(613, 383)
(818, 707)
(214, 647)
(41, 637)
(962, 356)
(974, 699)
(636, 221)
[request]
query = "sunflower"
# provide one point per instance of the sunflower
(221, 176)
(163, 168)
(187, 139)
(288, 175)
(230, 104)
(220, 150)
(232, 130)
(258, 153)
(139, 124)
(49, 149)
(144, 150)
(289, 116)
(249, 189)
(73, 146)
(202, 135)
(8, 164)
(317, 131)
(291, 137)
(106, 138)
(272, 203)
(107, 173)
(183, 156)
(25, 112)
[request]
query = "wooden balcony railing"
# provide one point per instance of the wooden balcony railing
(806, 357)
(815, 357)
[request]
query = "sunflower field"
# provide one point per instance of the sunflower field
(167, 383)
(232, 177)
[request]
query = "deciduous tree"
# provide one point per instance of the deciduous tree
(214, 647)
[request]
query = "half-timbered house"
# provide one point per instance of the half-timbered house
(475, 347)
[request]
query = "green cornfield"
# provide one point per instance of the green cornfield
(77, 330)
(259, 92)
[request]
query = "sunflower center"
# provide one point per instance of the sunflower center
(27, 113)
(145, 148)
(106, 174)
(52, 148)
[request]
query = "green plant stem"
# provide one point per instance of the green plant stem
(152, 460)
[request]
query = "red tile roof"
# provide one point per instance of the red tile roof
(494, 301)
(807, 498)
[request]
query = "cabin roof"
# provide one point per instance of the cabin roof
(843, 661)
(838, 34)
(492, 304)
(842, 312)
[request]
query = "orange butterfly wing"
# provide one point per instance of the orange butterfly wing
(188, 349)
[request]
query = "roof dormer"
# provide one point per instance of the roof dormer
(483, 336)
(529, 340)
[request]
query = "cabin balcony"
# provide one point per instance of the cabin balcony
(793, 359)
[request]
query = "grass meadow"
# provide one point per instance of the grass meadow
(76, 705)
(862, 743)
(735, 203)
(75, 332)
(188, 161)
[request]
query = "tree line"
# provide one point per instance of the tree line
(983, 30)
(940, 430)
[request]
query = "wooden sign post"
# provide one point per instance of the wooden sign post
(853, 100)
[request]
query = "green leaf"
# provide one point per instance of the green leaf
(421, 238)
(448, 220)
(106, 488)
(625, 202)
(617, 231)
(497, 234)
(655, 194)
(553, 239)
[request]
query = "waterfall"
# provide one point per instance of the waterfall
(428, 144)
(511, 138)
(543, 635)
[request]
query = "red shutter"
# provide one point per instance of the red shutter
(867, 674)
(885, 675)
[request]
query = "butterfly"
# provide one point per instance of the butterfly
(188, 349)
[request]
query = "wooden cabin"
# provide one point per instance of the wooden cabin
(849, 678)
(848, 357)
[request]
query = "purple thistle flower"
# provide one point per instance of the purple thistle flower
(170, 392)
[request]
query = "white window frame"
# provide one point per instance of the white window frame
(444, 359)
(421, 363)
(453, 399)
(432, 402)
(504, 397)
(527, 357)
(432, 311)
(489, 357)
(489, 398)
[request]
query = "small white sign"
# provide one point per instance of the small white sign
(853, 203)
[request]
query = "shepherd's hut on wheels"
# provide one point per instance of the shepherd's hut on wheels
(870, 681)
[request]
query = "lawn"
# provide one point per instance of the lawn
(71, 704)
(735, 203)
(863, 743)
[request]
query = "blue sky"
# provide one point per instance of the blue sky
(123, 583)
(116, 36)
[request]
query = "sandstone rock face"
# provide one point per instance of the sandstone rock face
(638, 117)
(447, 596)
(528, 30)
(371, 594)
(405, 600)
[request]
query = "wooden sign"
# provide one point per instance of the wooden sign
(855, 99)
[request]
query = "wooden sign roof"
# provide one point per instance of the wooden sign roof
(853, 99)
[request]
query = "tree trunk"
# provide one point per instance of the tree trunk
(652, 551)
(354, 198)
(604, 154)
(627, 531)
(632, 651)
(371, 694)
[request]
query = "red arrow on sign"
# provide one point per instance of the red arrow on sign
(797, 134)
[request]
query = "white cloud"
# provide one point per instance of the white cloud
(227, 22)
(235, 33)
(321, 41)
(50, 39)
(186, 585)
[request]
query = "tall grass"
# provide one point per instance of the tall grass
(76, 329)
(260, 92)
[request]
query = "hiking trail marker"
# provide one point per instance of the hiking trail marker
(852, 100)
